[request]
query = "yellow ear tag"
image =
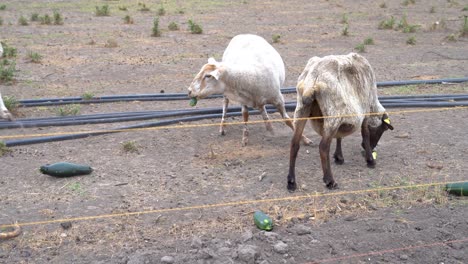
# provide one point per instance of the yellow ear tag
(374, 154)
(387, 120)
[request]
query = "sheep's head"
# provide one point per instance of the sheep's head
(377, 132)
(207, 81)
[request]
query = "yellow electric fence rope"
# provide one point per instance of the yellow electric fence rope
(235, 203)
(227, 123)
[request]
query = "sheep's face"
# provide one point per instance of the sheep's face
(377, 132)
(207, 81)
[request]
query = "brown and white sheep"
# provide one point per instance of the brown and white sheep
(251, 73)
(342, 89)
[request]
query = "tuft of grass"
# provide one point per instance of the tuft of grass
(405, 26)
(452, 37)
(387, 24)
(129, 147)
(58, 19)
(87, 96)
(276, 38)
(35, 17)
(411, 41)
(383, 5)
(465, 8)
(194, 27)
(181, 11)
(408, 2)
(3, 148)
(360, 48)
(161, 10)
(369, 41)
(128, 19)
(11, 103)
(464, 30)
(34, 57)
(7, 72)
(69, 110)
(2, 7)
(143, 7)
(46, 20)
(8, 51)
(432, 10)
(155, 30)
(345, 31)
(173, 26)
(23, 21)
(344, 19)
(123, 8)
(102, 11)
(1, 21)
(111, 43)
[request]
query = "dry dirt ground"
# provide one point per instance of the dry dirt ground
(187, 195)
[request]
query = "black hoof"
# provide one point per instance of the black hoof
(338, 160)
(371, 164)
(332, 185)
(292, 186)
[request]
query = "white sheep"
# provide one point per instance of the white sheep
(342, 88)
(251, 73)
(4, 113)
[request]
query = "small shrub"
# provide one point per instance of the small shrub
(34, 57)
(128, 19)
(46, 20)
(129, 147)
(23, 21)
(35, 17)
(405, 26)
(87, 96)
(161, 11)
(452, 37)
(2, 7)
(9, 52)
(7, 72)
(143, 7)
(173, 26)
(68, 110)
(11, 103)
(387, 24)
(58, 19)
(123, 8)
(344, 19)
(383, 5)
(155, 30)
(3, 148)
(111, 43)
(194, 27)
(465, 8)
(360, 48)
(369, 41)
(345, 31)
(276, 38)
(432, 10)
(103, 10)
(411, 41)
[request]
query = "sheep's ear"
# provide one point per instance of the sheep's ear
(387, 122)
(215, 74)
(212, 61)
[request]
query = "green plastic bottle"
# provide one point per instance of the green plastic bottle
(65, 169)
(263, 221)
(458, 188)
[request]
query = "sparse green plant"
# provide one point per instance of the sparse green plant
(35, 17)
(383, 5)
(123, 8)
(387, 24)
(405, 26)
(102, 11)
(360, 48)
(3, 148)
(143, 7)
(276, 38)
(11, 103)
(408, 2)
(411, 40)
(23, 21)
(155, 30)
(58, 19)
(87, 96)
(34, 57)
(69, 110)
(432, 10)
(129, 147)
(8, 51)
(173, 26)
(7, 72)
(111, 43)
(345, 31)
(452, 37)
(194, 27)
(369, 41)
(344, 19)
(46, 20)
(465, 8)
(161, 10)
(2, 7)
(464, 31)
(1, 21)
(128, 19)
(181, 11)
(76, 187)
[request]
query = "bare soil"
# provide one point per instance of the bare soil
(187, 194)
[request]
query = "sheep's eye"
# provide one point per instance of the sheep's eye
(208, 76)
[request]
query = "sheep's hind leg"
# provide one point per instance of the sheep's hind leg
(287, 120)
(266, 119)
(325, 160)
(245, 133)
(223, 118)
(338, 156)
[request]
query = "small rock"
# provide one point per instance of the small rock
(403, 135)
(301, 230)
(66, 225)
(247, 253)
(207, 253)
(224, 251)
(404, 257)
(196, 243)
(63, 235)
(281, 247)
(350, 218)
(246, 236)
(436, 166)
(269, 236)
(167, 259)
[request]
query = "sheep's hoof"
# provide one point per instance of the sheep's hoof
(306, 141)
(332, 185)
(222, 132)
(371, 164)
(338, 160)
(245, 141)
(292, 186)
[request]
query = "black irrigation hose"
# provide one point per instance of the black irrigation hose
(183, 96)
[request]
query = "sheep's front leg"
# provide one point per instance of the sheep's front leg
(245, 133)
(325, 159)
(266, 119)
(289, 123)
(295, 145)
(338, 152)
(223, 118)
(4, 113)
(366, 144)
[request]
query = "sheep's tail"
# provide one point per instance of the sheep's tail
(309, 92)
